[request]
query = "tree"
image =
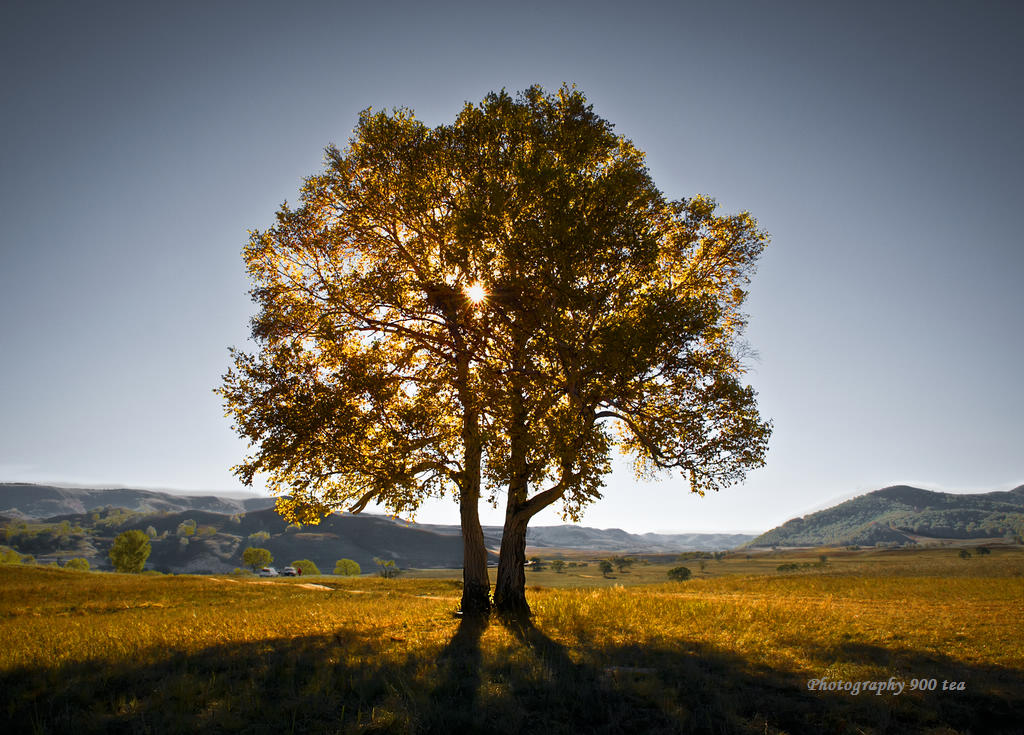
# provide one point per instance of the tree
(558, 565)
(605, 567)
(256, 558)
(347, 568)
(78, 564)
(499, 303)
(9, 556)
(387, 569)
(306, 566)
(130, 551)
(621, 562)
(679, 574)
(536, 564)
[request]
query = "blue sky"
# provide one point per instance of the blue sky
(878, 143)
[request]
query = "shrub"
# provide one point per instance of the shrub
(77, 564)
(256, 557)
(558, 565)
(982, 551)
(679, 574)
(347, 568)
(605, 567)
(965, 554)
(305, 566)
(537, 564)
(9, 556)
(187, 528)
(130, 551)
(621, 562)
(387, 569)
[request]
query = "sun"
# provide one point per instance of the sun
(476, 293)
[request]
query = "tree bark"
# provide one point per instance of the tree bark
(510, 589)
(476, 585)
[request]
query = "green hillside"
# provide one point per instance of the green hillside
(201, 542)
(894, 515)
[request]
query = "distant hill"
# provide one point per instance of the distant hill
(899, 514)
(202, 542)
(29, 500)
(614, 539)
(56, 523)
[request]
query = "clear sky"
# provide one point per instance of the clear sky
(879, 143)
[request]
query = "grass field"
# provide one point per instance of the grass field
(731, 650)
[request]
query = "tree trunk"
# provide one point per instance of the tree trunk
(510, 589)
(476, 585)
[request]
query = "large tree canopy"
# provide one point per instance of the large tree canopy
(491, 306)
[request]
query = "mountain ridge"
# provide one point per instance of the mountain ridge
(226, 525)
(896, 514)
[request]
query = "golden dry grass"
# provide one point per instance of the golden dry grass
(88, 652)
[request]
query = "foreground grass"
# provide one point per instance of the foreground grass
(118, 653)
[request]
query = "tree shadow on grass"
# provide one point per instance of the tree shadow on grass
(523, 682)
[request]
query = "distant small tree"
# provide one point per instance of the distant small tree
(965, 554)
(822, 559)
(305, 566)
(558, 565)
(256, 557)
(347, 568)
(150, 531)
(259, 537)
(982, 551)
(537, 564)
(187, 528)
(9, 556)
(605, 566)
(387, 569)
(621, 562)
(130, 551)
(679, 574)
(77, 564)
(207, 531)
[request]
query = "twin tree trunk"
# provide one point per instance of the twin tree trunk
(510, 589)
(476, 585)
